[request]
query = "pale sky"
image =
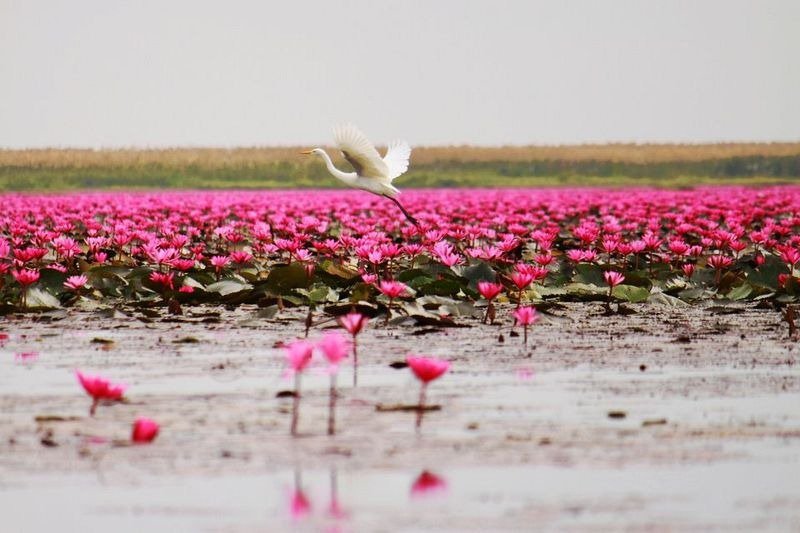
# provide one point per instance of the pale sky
(106, 73)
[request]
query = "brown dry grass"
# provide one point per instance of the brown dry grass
(254, 156)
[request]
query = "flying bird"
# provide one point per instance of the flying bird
(373, 173)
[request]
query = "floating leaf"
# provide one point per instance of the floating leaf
(659, 298)
(39, 299)
(284, 278)
(228, 286)
(631, 294)
(480, 271)
(741, 292)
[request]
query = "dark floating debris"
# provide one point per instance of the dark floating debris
(405, 408)
(186, 340)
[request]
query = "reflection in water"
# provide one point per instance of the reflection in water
(335, 510)
(428, 484)
(26, 357)
(299, 504)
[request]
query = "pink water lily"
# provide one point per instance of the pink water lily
(354, 322)
(144, 430)
(100, 389)
(334, 347)
(76, 283)
(489, 291)
(392, 290)
(426, 369)
(428, 484)
(298, 355)
(25, 277)
(612, 279)
(525, 316)
(521, 235)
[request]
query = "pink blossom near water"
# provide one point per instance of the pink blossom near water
(298, 355)
(426, 368)
(525, 316)
(100, 388)
(353, 322)
(144, 430)
(334, 347)
(428, 484)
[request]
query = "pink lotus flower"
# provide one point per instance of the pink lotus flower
(392, 289)
(100, 389)
(298, 355)
(428, 484)
(167, 281)
(688, 269)
(182, 265)
(334, 347)
(489, 290)
(791, 256)
(26, 276)
(444, 252)
(525, 316)
(219, 262)
(76, 282)
(521, 279)
(426, 369)
(354, 322)
(144, 430)
(719, 262)
(241, 257)
(613, 278)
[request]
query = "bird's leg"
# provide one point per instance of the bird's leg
(403, 209)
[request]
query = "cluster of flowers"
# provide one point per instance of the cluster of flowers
(525, 235)
(335, 348)
(101, 390)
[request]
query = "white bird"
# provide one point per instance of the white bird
(373, 173)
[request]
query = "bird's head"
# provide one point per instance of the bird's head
(315, 151)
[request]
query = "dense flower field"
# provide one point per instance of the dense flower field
(334, 248)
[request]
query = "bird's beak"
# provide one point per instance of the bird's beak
(307, 152)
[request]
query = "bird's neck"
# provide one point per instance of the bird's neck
(347, 177)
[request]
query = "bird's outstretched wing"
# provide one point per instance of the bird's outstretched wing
(360, 153)
(396, 158)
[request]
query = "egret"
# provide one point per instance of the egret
(373, 173)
